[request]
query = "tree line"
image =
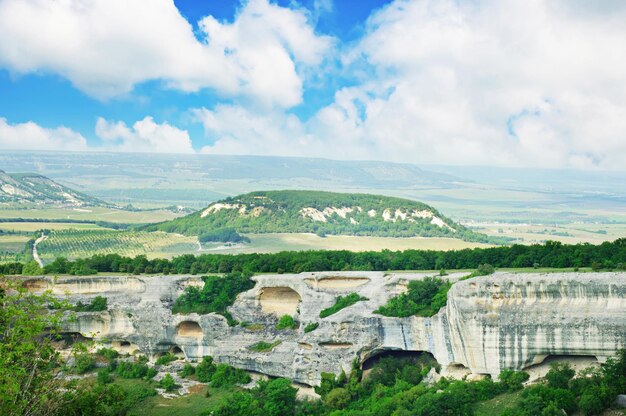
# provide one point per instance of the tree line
(608, 255)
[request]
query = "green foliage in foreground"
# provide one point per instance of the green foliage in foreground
(98, 304)
(216, 296)
(608, 255)
(424, 298)
(342, 302)
(28, 382)
(286, 322)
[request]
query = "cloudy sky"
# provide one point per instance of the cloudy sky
(493, 82)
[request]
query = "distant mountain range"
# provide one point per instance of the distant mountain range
(318, 212)
(31, 189)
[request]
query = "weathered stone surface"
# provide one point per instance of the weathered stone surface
(621, 400)
(490, 323)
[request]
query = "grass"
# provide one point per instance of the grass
(497, 405)
(194, 403)
(263, 346)
(12, 248)
(342, 302)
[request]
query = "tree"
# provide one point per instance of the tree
(28, 361)
(32, 269)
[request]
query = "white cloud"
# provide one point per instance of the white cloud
(144, 136)
(30, 136)
(490, 82)
(458, 76)
(106, 47)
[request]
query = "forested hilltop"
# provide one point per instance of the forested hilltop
(317, 212)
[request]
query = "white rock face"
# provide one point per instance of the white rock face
(490, 323)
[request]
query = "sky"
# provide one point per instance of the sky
(536, 83)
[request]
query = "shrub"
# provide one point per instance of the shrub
(337, 398)
(104, 376)
(135, 370)
(188, 370)
(342, 302)
(205, 370)
(98, 304)
(424, 298)
(83, 362)
(226, 375)
(166, 359)
(168, 383)
(263, 346)
(559, 375)
(311, 327)
(286, 322)
(223, 235)
(513, 380)
(108, 353)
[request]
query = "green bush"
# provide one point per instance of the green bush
(168, 383)
(130, 370)
(513, 380)
(226, 375)
(286, 322)
(166, 359)
(311, 327)
(83, 362)
(205, 369)
(223, 235)
(263, 346)
(108, 353)
(188, 370)
(98, 304)
(338, 398)
(104, 376)
(342, 302)
(560, 375)
(423, 298)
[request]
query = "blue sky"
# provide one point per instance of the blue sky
(418, 81)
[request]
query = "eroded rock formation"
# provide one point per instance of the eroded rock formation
(490, 323)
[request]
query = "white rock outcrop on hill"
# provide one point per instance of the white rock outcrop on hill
(490, 323)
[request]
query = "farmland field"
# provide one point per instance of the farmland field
(31, 227)
(74, 244)
(12, 247)
(90, 214)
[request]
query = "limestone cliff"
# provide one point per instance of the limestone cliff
(490, 323)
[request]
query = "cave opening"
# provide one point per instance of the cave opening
(374, 357)
(280, 300)
(189, 329)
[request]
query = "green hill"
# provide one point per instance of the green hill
(317, 212)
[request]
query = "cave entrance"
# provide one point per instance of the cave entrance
(541, 363)
(189, 329)
(280, 300)
(177, 352)
(373, 358)
(67, 339)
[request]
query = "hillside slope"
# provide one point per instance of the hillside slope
(321, 213)
(32, 189)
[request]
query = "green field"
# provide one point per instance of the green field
(90, 214)
(31, 227)
(275, 242)
(568, 233)
(74, 244)
(12, 247)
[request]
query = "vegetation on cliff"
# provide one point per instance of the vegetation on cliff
(323, 213)
(216, 296)
(423, 298)
(608, 255)
(342, 302)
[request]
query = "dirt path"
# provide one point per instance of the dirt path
(35, 254)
